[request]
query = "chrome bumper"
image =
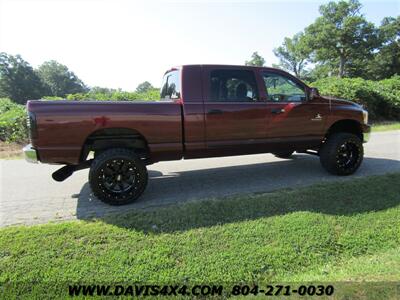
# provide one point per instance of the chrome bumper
(30, 154)
(366, 136)
(366, 132)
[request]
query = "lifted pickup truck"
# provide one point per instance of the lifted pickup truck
(204, 111)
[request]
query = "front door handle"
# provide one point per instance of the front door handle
(215, 112)
(277, 110)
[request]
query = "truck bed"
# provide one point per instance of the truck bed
(64, 126)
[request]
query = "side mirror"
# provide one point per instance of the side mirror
(313, 93)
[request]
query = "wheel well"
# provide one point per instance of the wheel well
(350, 126)
(107, 138)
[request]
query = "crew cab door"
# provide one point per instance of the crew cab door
(291, 115)
(235, 117)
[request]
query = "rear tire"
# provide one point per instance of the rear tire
(118, 176)
(283, 154)
(342, 153)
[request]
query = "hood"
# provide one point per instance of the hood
(339, 101)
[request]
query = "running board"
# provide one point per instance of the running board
(311, 152)
(66, 171)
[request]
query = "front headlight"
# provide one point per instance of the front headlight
(365, 117)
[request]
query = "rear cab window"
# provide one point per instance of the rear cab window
(228, 85)
(171, 85)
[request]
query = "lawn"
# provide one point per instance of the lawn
(344, 231)
(385, 126)
(10, 150)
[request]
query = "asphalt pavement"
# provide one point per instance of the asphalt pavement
(30, 196)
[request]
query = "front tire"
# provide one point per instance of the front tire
(342, 153)
(118, 176)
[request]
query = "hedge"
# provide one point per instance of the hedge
(13, 122)
(381, 98)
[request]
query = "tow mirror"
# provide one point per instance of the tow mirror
(313, 93)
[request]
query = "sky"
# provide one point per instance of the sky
(121, 43)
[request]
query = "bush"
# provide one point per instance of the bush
(52, 98)
(151, 95)
(380, 98)
(13, 124)
(13, 120)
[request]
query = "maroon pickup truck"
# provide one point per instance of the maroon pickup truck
(204, 111)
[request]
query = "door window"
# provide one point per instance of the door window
(233, 86)
(282, 89)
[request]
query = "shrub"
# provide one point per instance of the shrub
(150, 95)
(52, 98)
(380, 98)
(13, 125)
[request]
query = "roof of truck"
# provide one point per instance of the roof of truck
(224, 65)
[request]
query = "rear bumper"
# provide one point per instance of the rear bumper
(366, 132)
(30, 154)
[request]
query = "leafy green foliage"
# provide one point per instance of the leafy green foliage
(293, 54)
(52, 98)
(342, 42)
(144, 87)
(381, 98)
(341, 34)
(386, 126)
(18, 81)
(150, 95)
(256, 60)
(58, 80)
(386, 62)
(13, 124)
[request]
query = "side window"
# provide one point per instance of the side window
(171, 86)
(282, 89)
(233, 86)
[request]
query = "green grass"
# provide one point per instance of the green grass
(385, 126)
(344, 231)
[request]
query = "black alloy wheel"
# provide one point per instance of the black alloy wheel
(117, 176)
(347, 155)
(342, 153)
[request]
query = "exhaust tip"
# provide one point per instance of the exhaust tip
(63, 173)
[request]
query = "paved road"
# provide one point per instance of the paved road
(29, 195)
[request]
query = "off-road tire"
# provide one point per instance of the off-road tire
(342, 153)
(118, 176)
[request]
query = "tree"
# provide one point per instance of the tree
(144, 87)
(256, 60)
(320, 70)
(293, 54)
(58, 80)
(386, 61)
(341, 35)
(103, 90)
(18, 81)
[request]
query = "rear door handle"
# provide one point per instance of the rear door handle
(277, 110)
(215, 112)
